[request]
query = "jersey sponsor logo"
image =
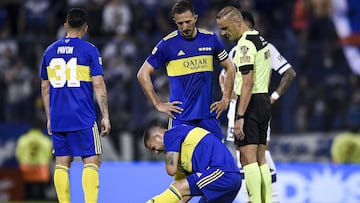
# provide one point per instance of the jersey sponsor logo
(181, 53)
(196, 63)
(100, 60)
(190, 65)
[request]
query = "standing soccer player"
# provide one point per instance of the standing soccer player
(252, 61)
(280, 65)
(188, 54)
(71, 72)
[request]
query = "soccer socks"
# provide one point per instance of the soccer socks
(253, 182)
(265, 183)
(61, 182)
(90, 182)
(274, 183)
(170, 195)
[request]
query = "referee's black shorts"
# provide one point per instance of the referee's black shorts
(256, 120)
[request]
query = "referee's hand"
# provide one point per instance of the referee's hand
(238, 129)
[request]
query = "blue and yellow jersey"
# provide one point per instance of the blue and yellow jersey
(189, 65)
(69, 64)
(199, 149)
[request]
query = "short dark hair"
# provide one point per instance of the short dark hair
(182, 6)
(247, 16)
(151, 126)
(76, 17)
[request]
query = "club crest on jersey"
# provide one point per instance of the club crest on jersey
(244, 58)
(244, 50)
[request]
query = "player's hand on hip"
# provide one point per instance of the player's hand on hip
(238, 129)
(219, 107)
(105, 126)
(169, 108)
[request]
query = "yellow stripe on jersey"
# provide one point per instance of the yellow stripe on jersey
(202, 30)
(210, 178)
(82, 73)
(188, 147)
(171, 35)
(190, 65)
(170, 123)
(97, 143)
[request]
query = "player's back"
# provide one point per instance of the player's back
(200, 150)
(69, 64)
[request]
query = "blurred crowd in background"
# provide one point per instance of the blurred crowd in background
(125, 31)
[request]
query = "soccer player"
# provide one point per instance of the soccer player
(71, 73)
(252, 61)
(188, 54)
(280, 65)
(210, 169)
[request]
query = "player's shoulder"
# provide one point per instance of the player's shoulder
(171, 35)
(53, 45)
(205, 31)
(253, 37)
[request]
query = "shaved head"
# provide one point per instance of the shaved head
(230, 13)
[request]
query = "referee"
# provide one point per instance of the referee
(252, 62)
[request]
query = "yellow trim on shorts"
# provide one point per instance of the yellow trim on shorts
(97, 143)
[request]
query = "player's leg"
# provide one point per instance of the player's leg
(264, 167)
(265, 175)
(61, 178)
(90, 178)
(174, 193)
(251, 169)
(215, 185)
(86, 143)
(274, 183)
(62, 164)
(270, 162)
(248, 148)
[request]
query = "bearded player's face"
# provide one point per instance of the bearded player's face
(185, 23)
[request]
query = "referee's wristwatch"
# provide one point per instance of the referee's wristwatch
(238, 116)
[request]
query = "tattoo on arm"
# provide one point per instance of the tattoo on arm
(104, 103)
(286, 81)
(169, 158)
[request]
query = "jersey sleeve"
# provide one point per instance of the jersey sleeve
(158, 55)
(172, 140)
(43, 70)
(277, 62)
(220, 51)
(96, 63)
(245, 56)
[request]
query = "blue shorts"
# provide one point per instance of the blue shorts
(83, 143)
(215, 185)
(211, 124)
